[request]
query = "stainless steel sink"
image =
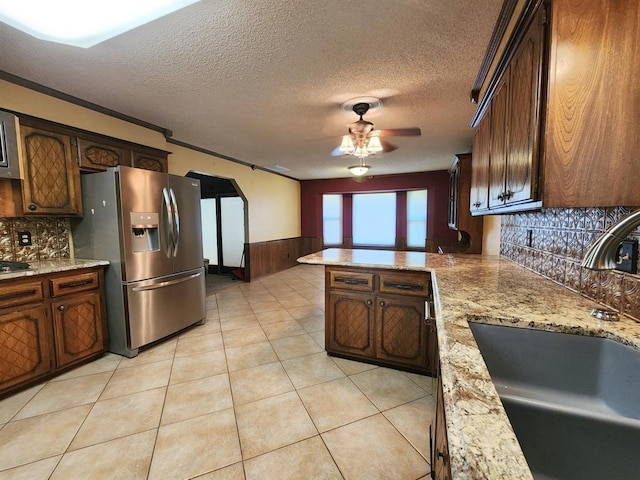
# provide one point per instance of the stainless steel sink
(573, 401)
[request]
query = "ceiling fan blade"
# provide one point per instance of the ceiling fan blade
(337, 152)
(400, 132)
(387, 147)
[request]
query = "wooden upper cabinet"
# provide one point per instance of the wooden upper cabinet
(95, 155)
(498, 145)
(480, 166)
(51, 177)
(150, 161)
(469, 228)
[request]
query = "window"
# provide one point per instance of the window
(374, 219)
(332, 219)
(416, 218)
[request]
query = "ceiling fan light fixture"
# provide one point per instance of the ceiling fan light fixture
(347, 146)
(374, 146)
(359, 170)
(361, 151)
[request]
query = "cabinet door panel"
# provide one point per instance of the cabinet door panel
(150, 162)
(480, 165)
(52, 181)
(523, 112)
(78, 328)
(350, 324)
(97, 156)
(401, 330)
(24, 346)
(499, 133)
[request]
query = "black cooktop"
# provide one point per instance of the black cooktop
(6, 266)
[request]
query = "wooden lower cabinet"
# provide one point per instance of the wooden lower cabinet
(48, 323)
(363, 321)
(440, 462)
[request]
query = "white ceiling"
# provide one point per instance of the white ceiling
(263, 82)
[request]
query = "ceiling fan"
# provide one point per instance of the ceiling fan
(363, 140)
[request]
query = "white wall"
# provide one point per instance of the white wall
(491, 235)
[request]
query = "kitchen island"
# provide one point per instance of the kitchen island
(481, 441)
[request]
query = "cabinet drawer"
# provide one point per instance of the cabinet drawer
(405, 284)
(73, 283)
(11, 295)
(351, 281)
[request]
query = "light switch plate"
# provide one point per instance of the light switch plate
(628, 256)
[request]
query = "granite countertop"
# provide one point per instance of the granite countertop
(53, 266)
(482, 444)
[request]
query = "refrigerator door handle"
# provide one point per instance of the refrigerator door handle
(168, 217)
(176, 222)
(155, 286)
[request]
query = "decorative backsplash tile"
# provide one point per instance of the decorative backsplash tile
(49, 239)
(552, 242)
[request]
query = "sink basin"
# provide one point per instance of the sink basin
(573, 401)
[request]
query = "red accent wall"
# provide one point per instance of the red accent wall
(437, 183)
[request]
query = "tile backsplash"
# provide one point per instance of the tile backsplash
(552, 242)
(49, 239)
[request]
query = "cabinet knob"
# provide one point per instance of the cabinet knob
(508, 194)
(369, 302)
(501, 197)
(62, 308)
(32, 207)
(477, 204)
(381, 303)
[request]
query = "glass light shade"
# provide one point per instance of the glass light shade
(359, 170)
(83, 23)
(374, 146)
(347, 145)
(361, 151)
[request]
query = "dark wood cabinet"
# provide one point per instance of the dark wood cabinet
(96, 155)
(379, 316)
(557, 105)
(460, 193)
(49, 323)
(51, 183)
(149, 161)
(480, 166)
(440, 461)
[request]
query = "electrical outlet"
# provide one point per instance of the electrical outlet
(24, 239)
(628, 256)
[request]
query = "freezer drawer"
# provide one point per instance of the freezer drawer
(162, 306)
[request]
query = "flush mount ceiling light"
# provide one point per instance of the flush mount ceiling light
(359, 170)
(83, 23)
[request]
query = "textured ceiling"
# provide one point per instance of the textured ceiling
(262, 82)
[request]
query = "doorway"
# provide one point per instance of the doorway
(224, 229)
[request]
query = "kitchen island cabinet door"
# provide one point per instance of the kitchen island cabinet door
(78, 327)
(350, 324)
(401, 331)
(24, 346)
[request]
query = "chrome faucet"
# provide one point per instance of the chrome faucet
(603, 254)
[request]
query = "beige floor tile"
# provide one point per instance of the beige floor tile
(197, 397)
(305, 311)
(271, 306)
(199, 344)
(336, 403)
(196, 446)
(196, 366)
(282, 329)
(242, 321)
(308, 459)
(387, 388)
(232, 472)
(243, 336)
(36, 438)
(40, 470)
(312, 324)
(425, 382)
(212, 314)
(351, 367)
(121, 416)
(64, 394)
(274, 316)
(294, 302)
(234, 310)
(373, 449)
(126, 458)
(256, 383)
(272, 423)
(412, 420)
(138, 379)
(297, 346)
(318, 337)
(311, 370)
(249, 356)
(162, 351)
(107, 363)
(11, 405)
(212, 325)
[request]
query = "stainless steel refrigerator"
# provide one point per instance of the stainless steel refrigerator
(148, 225)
